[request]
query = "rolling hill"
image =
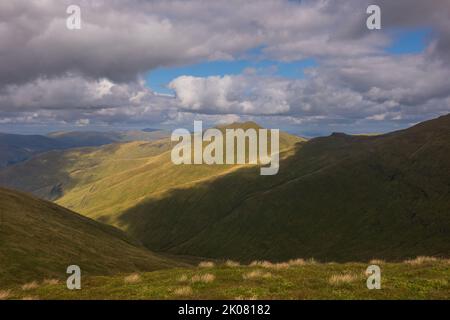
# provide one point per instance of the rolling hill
(342, 198)
(335, 198)
(15, 148)
(78, 139)
(39, 239)
(97, 181)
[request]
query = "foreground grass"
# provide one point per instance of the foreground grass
(416, 279)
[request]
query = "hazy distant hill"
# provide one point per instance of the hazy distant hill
(335, 198)
(74, 139)
(102, 182)
(40, 240)
(149, 130)
(15, 148)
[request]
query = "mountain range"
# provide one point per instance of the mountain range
(335, 198)
(15, 148)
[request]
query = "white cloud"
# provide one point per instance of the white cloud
(121, 40)
(375, 87)
(241, 94)
(48, 73)
(72, 92)
(82, 122)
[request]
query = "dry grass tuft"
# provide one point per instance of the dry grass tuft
(132, 278)
(183, 278)
(270, 265)
(30, 298)
(30, 285)
(377, 261)
(206, 264)
(297, 262)
(232, 264)
(257, 274)
(205, 278)
(4, 294)
(421, 260)
(281, 265)
(183, 291)
(343, 278)
(50, 282)
(257, 263)
(243, 298)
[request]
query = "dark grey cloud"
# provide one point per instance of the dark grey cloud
(120, 40)
(49, 73)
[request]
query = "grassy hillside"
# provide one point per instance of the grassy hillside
(103, 182)
(53, 174)
(15, 148)
(338, 198)
(341, 197)
(422, 278)
(39, 239)
(76, 139)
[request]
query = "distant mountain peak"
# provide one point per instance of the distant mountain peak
(241, 125)
(150, 129)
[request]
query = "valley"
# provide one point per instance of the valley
(224, 150)
(39, 240)
(16, 148)
(337, 199)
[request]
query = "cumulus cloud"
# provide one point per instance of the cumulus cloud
(120, 40)
(72, 98)
(244, 94)
(72, 92)
(50, 73)
(365, 87)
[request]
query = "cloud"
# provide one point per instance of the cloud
(434, 14)
(72, 92)
(72, 98)
(242, 94)
(82, 122)
(121, 40)
(49, 73)
(374, 87)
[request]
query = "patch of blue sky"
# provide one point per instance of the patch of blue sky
(158, 79)
(409, 41)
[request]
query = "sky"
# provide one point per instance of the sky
(307, 67)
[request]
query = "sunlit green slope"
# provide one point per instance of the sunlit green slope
(103, 182)
(343, 198)
(335, 198)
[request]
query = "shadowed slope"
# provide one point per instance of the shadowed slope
(39, 239)
(337, 198)
(103, 182)
(15, 148)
